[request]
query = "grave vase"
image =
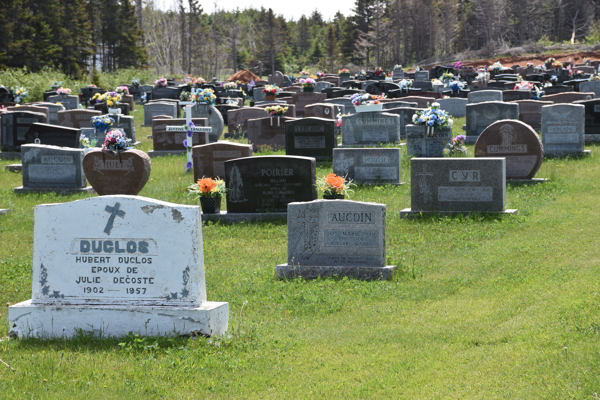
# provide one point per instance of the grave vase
(308, 89)
(333, 196)
(269, 96)
(211, 205)
(369, 107)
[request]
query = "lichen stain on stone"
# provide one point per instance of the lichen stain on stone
(177, 217)
(150, 209)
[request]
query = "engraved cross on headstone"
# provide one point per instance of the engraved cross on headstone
(188, 128)
(114, 211)
(423, 186)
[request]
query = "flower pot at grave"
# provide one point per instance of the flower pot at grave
(269, 96)
(110, 174)
(211, 205)
(308, 89)
(369, 107)
(333, 196)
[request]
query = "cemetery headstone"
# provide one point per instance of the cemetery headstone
(238, 119)
(152, 109)
(405, 114)
(53, 109)
(166, 93)
(457, 185)
(165, 142)
(481, 115)
(310, 137)
(590, 87)
(31, 108)
(14, 126)
(592, 120)
(320, 85)
(323, 110)
(258, 94)
(76, 118)
(214, 117)
(563, 127)
(267, 131)
(422, 76)
(371, 128)
(53, 135)
(369, 165)
(555, 89)
(569, 97)
(387, 105)
(514, 95)
(126, 123)
(124, 173)
(422, 102)
(337, 237)
(422, 144)
(530, 112)
(291, 112)
(209, 159)
(485, 96)
(70, 102)
(456, 107)
(300, 100)
(515, 141)
(268, 184)
(135, 266)
(342, 101)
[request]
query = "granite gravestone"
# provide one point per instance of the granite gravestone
(209, 159)
(457, 185)
(258, 94)
(76, 118)
(53, 135)
(563, 127)
(405, 114)
(14, 126)
(515, 141)
(124, 173)
(125, 123)
(276, 79)
(323, 110)
(300, 100)
(569, 97)
(170, 101)
(515, 95)
(371, 128)
(337, 237)
(53, 109)
(159, 93)
(70, 102)
(422, 144)
(268, 184)
(51, 168)
(152, 109)
(267, 131)
(422, 102)
(485, 96)
(237, 120)
(422, 76)
(530, 112)
(310, 137)
(322, 85)
(135, 266)
(214, 117)
(343, 101)
(555, 89)
(31, 108)
(369, 165)
(456, 107)
(172, 142)
(481, 115)
(592, 120)
(291, 108)
(590, 86)
(387, 105)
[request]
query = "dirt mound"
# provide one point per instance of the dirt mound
(537, 59)
(243, 76)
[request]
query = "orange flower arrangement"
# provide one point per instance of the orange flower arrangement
(333, 184)
(207, 187)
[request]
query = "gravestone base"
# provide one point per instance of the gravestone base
(588, 138)
(409, 212)
(3, 211)
(471, 139)
(162, 153)
(10, 155)
(585, 153)
(14, 167)
(233, 218)
(22, 189)
(526, 181)
(286, 271)
(41, 321)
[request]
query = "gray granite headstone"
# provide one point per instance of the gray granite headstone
(52, 167)
(70, 102)
(514, 95)
(590, 86)
(422, 76)
(214, 117)
(337, 237)
(15, 125)
(371, 128)
(481, 115)
(455, 106)
(310, 137)
(563, 127)
(258, 94)
(209, 159)
(395, 104)
(76, 118)
(324, 110)
(481, 96)
(126, 123)
(53, 109)
(369, 165)
(152, 109)
(344, 101)
(267, 131)
(320, 85)
(421, 144)
(304, 99)
(241, 116)
(458, 185)
(530, 112)
(405, 114)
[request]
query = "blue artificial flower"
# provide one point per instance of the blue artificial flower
(185, 143)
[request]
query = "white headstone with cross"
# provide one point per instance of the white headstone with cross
(136, 265)
(190, 131)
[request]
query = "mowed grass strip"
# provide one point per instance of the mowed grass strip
(481, 307)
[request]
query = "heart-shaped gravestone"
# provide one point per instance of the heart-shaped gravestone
(125, 173)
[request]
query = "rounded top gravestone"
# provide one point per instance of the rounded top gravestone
(215, 119)
(517, 142)
(124, 173)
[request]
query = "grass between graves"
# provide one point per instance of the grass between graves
(481, 307)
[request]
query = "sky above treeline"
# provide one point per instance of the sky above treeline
(290, 10)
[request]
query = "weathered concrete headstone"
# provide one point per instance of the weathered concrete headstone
(421, 144)
(371, 128)
(337, 237)
(563, 127)
(267, 131)
(485, 96)
(76, 118)
(369, 165)
(530, 112)
(457, 185)
(300, 100)
(125, 173)
(53, 135)
(165, 142)
(517, 142)
(52, 168)
(152, 109)
(481, 115)
(209, 159)
(214, 117)
(455, 106)
(269, 183)
(135, 265)
(310, 137)
(70, 102)
(14, 126)
(241, 116)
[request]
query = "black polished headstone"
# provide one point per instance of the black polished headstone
(14, 126)
(53, 135)
(310, 137)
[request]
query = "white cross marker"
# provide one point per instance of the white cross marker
(187, 128)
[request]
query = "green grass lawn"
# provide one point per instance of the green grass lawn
(482, 307)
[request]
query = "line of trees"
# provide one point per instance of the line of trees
(78, 34)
